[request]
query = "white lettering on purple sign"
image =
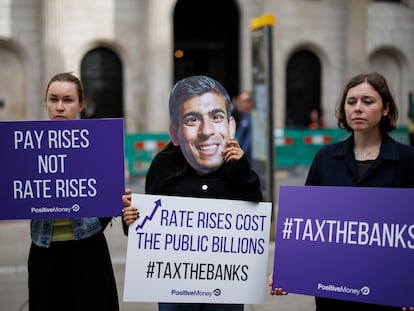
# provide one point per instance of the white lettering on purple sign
(55, 139)
(349, 232)
(52, 139)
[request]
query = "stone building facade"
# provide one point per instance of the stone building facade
(338, 37)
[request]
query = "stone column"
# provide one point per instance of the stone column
(52, 38)
(356, 58)
(159, 62)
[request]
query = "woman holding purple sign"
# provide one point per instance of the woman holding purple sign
(69, 263)
(369, 157)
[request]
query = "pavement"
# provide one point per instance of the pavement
(15, 243)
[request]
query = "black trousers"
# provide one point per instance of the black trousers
(72, 275)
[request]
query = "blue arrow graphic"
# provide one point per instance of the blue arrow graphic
(150, 217)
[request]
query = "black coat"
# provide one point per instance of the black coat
(170, 174)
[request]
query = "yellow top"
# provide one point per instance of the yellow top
(62, 230)
(261, 21)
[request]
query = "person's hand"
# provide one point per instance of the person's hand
(232, 151)
(277, 291)
(126, 198)
(408, 309)
(129, 213)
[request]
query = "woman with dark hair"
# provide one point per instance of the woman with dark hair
(369, 157)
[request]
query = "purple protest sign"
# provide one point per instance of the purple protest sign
(347, 243)
(55, 169)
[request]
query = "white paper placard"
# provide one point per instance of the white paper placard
(185, 249)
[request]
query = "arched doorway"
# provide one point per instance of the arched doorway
(303, 88)
(207, 32)
(101, 74)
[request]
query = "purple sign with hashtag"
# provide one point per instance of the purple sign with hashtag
(61, 169)
(347, 243)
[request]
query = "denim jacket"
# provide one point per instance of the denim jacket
(41, 229)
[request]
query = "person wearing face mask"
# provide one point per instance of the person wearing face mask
(202, 160)
(69, 263)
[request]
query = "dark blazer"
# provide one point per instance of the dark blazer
(334, 165)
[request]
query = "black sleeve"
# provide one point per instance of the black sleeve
(313, 178)
(124, 227)
(104, 222)
(244, 180)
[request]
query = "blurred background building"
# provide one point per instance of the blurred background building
(129, 53)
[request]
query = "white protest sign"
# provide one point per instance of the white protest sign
(184, 249)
